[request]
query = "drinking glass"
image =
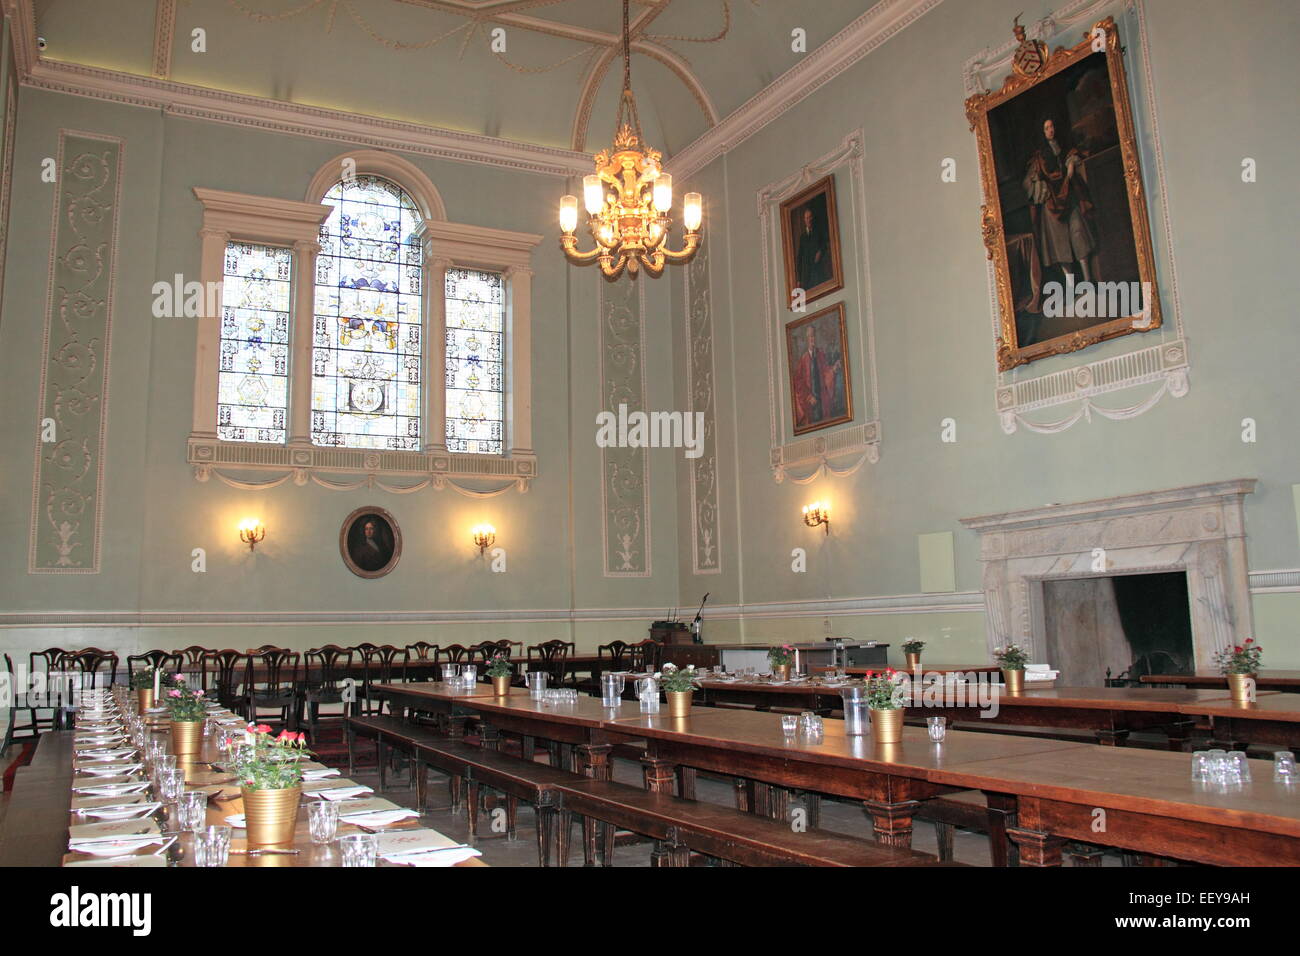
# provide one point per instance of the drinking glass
(170, 785)
(790, 724)
(1240, 766)
(938, 728)
(359, 849)
(450, 672)
(536, 684)
(191, 810)
(1284, 768)
(468, 675)
(323, 820)
(212, 846)
(647, 690)
(1202, 765)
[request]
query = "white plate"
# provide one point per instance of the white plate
(120, 812)
(124, 847)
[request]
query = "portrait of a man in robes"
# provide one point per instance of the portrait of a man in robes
(811, 242)
(819, 375)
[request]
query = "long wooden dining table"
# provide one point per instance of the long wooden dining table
(1040, 792)
(1287, 681)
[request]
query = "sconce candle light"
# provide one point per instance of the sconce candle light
(817, 513)
(484, 536)
(251, 531)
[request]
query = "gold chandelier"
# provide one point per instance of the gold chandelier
(628, 199)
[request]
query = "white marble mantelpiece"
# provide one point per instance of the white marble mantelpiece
(1199, 529)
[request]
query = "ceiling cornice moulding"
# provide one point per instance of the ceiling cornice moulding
(195, 102)
(862, 36)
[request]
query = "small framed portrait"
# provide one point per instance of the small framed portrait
(810, 239)
(370, 542)
(817, 354)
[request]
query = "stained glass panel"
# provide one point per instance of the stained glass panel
(366, 368)
(253, 376)
(475, 305)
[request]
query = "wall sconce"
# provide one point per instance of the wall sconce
(817, 513)
(251, 531)
(484, 536)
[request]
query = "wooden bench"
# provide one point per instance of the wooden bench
(534, 783)
(686, 826)
(388, 731)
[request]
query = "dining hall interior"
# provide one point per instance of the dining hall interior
(649, 433)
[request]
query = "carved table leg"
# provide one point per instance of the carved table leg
(1081, 854)
(1036, 847)
(593, 761)
(744, 794)
(1001, 815)
(658, 774)
(686, 782)
(893, 821)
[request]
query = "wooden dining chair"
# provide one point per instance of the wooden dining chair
(195, 663)
(482, 654)
(419, 662)
(378, 666)
(455, 654)
(647, 653)
(328, 669)
(43, 691)
(170, 662)
(553, 657)
(96, 667)
(227, 667)
(271, 681)
(17, 702)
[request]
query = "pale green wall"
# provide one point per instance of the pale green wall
(1225, 88)
(154, 510)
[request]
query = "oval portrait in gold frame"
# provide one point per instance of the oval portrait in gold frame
(370, 542)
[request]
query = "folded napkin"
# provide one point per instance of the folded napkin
(448, 857)
(120, 811)
(113, 790)
(104, 753)
(151, 859)
(127, 845)
(342, 793)
(321, 774)
(381, 818)
(112, 800)
(111, 832)
(393, 843)
(109, 769)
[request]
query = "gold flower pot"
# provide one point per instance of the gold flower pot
(501, 685)
(780, 671)
(887, 725)
(187, 737)
(271, 815)
(679, 702)
(913, 661)
(1241, 686)
(1015, 680)
(144, 697)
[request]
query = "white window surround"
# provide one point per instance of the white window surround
(238, 216)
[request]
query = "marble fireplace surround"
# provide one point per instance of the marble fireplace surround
(1199, 529)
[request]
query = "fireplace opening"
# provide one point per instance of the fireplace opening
(1116, 629)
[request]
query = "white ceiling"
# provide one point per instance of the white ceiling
(430, 62)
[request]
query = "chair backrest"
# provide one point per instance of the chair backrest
(377, 662)
(618, 652)
(48, 687)
(328, 666)
(645, 654)
(153, 659)
(555, 656)
(419, 662)
(90, 663)
(227, 668)
(272, 671)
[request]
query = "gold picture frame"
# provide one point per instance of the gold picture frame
(1041, 223)
(817, 364)
(370, 553)
(820, 268)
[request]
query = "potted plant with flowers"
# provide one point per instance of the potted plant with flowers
(912, 649)
(148, 684)
(886, 696)
(1012, 658)
(499, 670)
(1240, 664)
(269, 770)
(679, 685)
(781, 658)
(187, 708)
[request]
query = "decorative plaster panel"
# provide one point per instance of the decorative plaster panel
(625, 472)
(706, 543)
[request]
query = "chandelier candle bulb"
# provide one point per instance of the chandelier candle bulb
(664, 192)
(693, 212)
(568, 213)
(593, 193)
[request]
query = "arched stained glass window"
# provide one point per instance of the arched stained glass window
(366, 367)
(476, 316)
(253, 376)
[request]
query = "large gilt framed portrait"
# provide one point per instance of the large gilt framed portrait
(1064, 215)
(817, 355)
(370, 542)
(810, 241)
